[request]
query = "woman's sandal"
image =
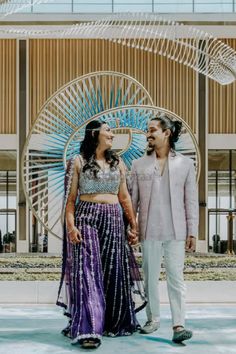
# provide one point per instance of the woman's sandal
(90, 343)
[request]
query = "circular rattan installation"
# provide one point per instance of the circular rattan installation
(52, 141)
(133, 121)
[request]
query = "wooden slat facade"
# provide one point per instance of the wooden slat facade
(52, 63)
(222, 104)
(7, 86)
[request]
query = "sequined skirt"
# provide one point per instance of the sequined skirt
(97, 275)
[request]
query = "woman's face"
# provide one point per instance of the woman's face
(105, 137)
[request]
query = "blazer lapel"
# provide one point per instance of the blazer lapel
(171, 163)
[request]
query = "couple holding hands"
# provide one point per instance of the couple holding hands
(99, 271)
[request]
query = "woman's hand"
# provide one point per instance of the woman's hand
(75, 236)
(133, 236)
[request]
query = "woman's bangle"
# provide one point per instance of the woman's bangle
(70, 231)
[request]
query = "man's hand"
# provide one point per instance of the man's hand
(190, 245)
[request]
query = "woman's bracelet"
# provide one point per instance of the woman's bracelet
(70, 231)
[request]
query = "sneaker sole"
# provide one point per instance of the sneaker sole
(143, 331)
(183, 337)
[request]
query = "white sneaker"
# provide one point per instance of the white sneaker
(149, 327)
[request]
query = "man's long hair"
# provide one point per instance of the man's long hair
(88, 148)
(174, 126)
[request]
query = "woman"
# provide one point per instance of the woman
(98, 266)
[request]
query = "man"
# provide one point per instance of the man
(165, 195)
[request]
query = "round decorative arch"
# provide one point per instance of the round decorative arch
(49, 144)
(133, 121)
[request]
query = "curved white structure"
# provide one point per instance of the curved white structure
(194, 48)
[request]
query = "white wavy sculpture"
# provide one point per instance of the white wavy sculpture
(198, 49)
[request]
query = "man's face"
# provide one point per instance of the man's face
(156, 137)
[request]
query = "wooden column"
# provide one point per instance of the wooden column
(202, 139)
(22, 244)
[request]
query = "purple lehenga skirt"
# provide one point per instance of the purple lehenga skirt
(98, 275)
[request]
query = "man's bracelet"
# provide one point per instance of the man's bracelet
(70, 231)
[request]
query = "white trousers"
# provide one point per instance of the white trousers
(174, 253)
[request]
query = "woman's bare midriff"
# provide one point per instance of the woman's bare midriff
(100, 198)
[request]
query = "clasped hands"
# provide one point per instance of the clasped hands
(132, 235)
(75, 236)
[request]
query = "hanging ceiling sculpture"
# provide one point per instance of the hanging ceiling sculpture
(184, 44)
(50, 144)
(9, 7)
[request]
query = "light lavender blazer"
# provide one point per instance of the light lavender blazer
(183, 192)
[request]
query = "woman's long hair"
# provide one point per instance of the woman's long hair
(88, 147)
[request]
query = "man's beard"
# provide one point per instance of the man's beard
(150, 149)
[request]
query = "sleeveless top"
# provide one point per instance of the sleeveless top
(105, 182)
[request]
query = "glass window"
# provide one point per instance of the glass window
(94, 2)
(3, 202)
(234, 160)
(173, 6)
(221, 198)
(173, 2)
(55, 7)
(159, 6)
(212, 190)
(233, 178)
(133, 2)
(7, 211)
(219, 178)
(7, 201)
(24, 10)
(218, 160)
(213, 6)
(83, 7)
(56, 2)
(137, 7)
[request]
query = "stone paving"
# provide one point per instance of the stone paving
(36, 330)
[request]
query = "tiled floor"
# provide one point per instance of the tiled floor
(36, 330)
